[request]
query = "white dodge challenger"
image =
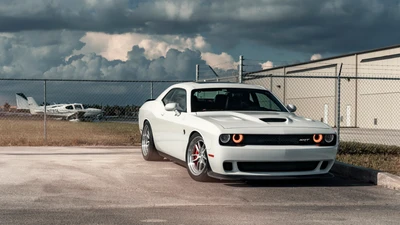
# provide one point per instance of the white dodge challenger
(234, 131)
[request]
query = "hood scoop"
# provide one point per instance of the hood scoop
(274, 120)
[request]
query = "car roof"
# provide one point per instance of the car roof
(200, 85)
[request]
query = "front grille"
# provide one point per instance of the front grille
(277, 166)
(278, 140)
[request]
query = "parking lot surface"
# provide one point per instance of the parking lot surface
(105, 185)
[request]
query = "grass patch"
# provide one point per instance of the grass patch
(65, 133)
(375, 156)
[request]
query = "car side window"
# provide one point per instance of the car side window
(168, 97)
(178, 96)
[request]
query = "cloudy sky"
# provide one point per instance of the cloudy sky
(165, 39)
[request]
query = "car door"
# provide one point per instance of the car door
(158, 123)
(171, 124)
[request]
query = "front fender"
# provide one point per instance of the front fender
(208, 130)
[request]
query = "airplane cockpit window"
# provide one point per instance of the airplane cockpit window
(69, 107)
(78, 106)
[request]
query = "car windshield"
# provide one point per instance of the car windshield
(240, 99)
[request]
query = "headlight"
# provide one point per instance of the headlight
(329, 138)
(237, 138)
(317, 138)
(224, 138)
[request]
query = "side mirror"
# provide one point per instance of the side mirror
(291, 108)
(170, 106)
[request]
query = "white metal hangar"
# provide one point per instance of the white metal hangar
(370, 90)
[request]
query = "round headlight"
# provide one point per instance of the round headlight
(329, 138)
(224, 138)
(237, 138)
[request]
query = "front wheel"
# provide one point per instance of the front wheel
(197, 160)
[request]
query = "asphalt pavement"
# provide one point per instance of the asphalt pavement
(104, 185)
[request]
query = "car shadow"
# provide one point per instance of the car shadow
(336, 181)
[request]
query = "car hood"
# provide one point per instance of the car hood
(238, 119)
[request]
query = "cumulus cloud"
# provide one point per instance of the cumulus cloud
(116, 46)
(223, 22)
(222, 61)
(267, 65)
(316, 57)
(176, 65)
(30, 53)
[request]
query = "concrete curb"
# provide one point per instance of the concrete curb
(376, 177)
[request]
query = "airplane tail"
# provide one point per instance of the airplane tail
(22, 101)
(32, 105)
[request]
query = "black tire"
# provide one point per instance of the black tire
(201, 174)
(150, 153)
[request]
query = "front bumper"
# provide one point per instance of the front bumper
(244, 177)
(271, 161)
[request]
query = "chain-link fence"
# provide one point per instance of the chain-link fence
(111, 107)
(362, 108)
(363, 105)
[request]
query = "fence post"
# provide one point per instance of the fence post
(241, 69)
(338, 102)
(151, 89)
(45, 113)
(356, 93)
(284, 85)
(271, 84)
(197, 73)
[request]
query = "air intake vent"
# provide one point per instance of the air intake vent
(274, 120)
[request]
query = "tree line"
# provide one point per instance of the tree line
(116, 110)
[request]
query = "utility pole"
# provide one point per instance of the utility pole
(45, 113)
(338, 102)
(241, 69)
(197, 72)
(151, 90)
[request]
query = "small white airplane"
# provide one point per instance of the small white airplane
(71, 112)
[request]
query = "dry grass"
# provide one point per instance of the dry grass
(378, 162)
(65, 133)
(379, 157)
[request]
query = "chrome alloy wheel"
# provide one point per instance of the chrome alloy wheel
(145, 140)
(197, 158)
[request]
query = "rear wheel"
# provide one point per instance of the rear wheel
(197, 160)
(149, 151)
